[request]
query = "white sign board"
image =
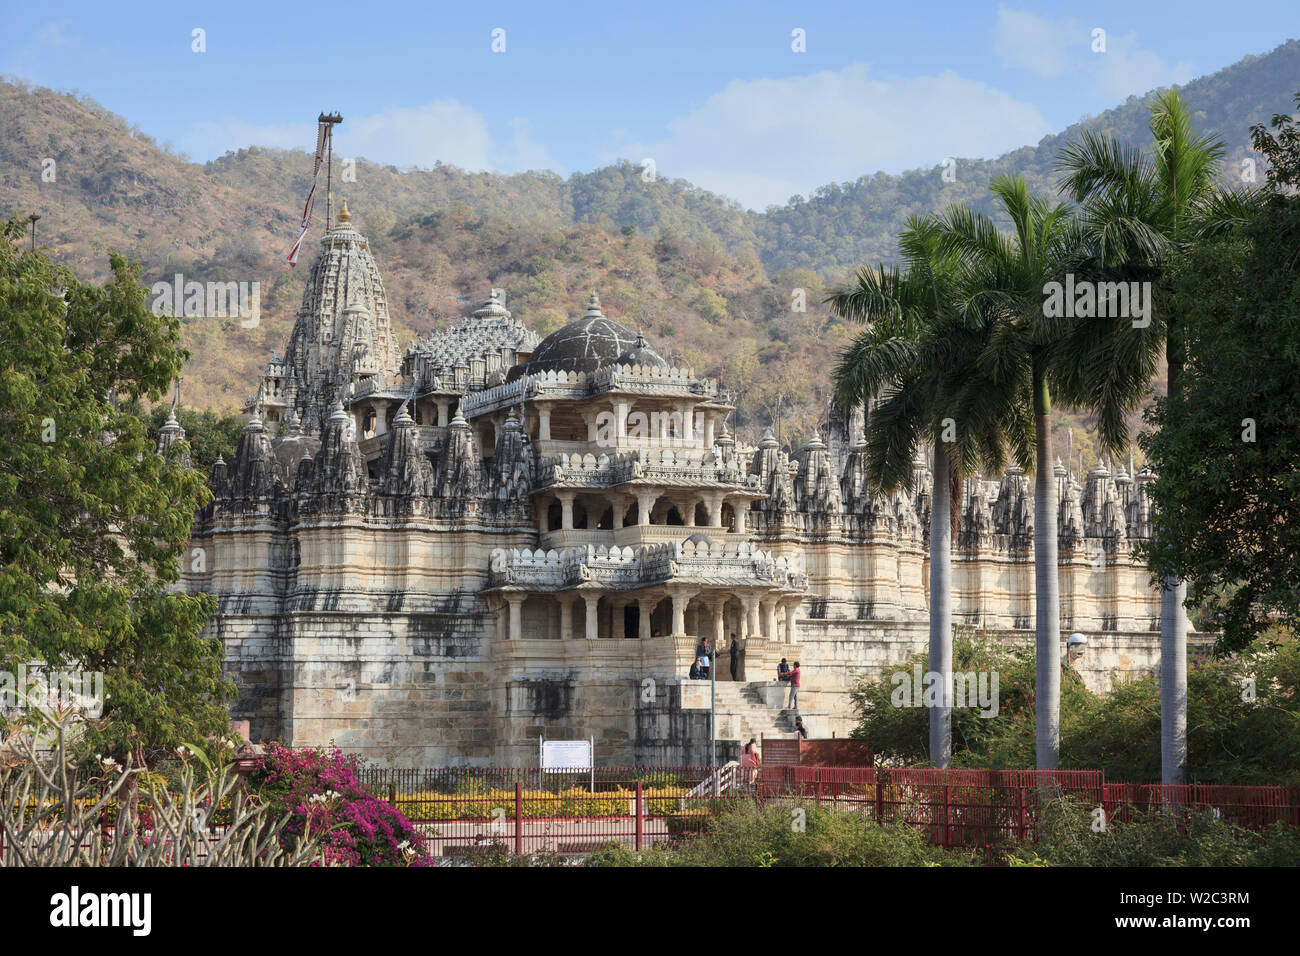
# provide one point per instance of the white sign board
(566, 755)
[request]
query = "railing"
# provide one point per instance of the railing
(476, 810)
(467, 811)
(727, 777)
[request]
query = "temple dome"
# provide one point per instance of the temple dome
(585, 345)
(641, 354)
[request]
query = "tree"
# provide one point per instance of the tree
(1137, 209)
(917, 356)
(1003, 280)
(1226, 450)
(92, 521)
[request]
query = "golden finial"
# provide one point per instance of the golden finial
(344, 215)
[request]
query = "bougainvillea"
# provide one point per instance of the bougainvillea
(322, 791)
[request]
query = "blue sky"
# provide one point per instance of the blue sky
(714, 93)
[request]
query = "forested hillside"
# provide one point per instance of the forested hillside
(710, 282)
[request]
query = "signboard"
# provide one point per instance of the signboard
(562, 755)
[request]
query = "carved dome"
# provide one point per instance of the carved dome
(641, 354)
(582, 346)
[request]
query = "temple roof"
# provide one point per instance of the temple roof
(585, 345)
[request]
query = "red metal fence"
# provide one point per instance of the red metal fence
(468, 810)
(472, 810)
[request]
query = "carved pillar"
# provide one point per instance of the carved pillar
(751, 616)
(442, 413)
(643, 625)
(790, 610)
(769, 620)
(617, 506)
(566, 619)
(719, 623)
(740, 507)
(543, 422)
(714, 504)
(620, 419)
(566, 510)
(593, 625)
(679, 613)
(516, 616)
(708, 432)
(689, 517)
(644, 502)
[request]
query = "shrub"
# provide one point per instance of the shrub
(321, 792)
(1157, 837)
(53, 801)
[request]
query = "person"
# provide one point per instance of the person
(735, 656)
(749, 761)
(783, 670)
(794, 687)
(800, 731)
(704, 662)
(695, 669)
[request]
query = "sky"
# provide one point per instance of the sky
(757, 101)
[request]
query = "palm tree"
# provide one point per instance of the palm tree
(1002, 279)
(917, 356)
(1136, 210)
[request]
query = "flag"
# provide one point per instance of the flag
(322, 137)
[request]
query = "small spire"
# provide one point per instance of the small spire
(345, 215)
(593, 304)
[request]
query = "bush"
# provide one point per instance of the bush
(749, 834)
(1157, 837)
(321, 790)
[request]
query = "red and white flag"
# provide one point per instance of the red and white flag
(322, 133)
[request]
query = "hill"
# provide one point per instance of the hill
(710, 282)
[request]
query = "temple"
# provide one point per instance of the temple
(436, 557)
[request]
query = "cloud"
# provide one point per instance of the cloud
(761, 141)
(1053, 48)
(1027, 41)
(40, 55)
(444, 131)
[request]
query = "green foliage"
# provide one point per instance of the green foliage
(898, 734)
(792, 834)
(1153, 838)
(55, 798)
(93, 522)
(208, 433)
(1226, 450)
(1230, 739)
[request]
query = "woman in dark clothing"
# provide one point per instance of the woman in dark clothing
(735, 657)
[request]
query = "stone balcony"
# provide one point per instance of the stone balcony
(718, 565)
(682, 467)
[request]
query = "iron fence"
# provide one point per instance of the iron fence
(467, 810)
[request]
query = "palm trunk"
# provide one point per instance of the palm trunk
(941, 607)
(1047, 623)
(1173, 680)
(1173, 637)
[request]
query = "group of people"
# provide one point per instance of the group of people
(704, 660)
(700, 668)
(784, 672)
